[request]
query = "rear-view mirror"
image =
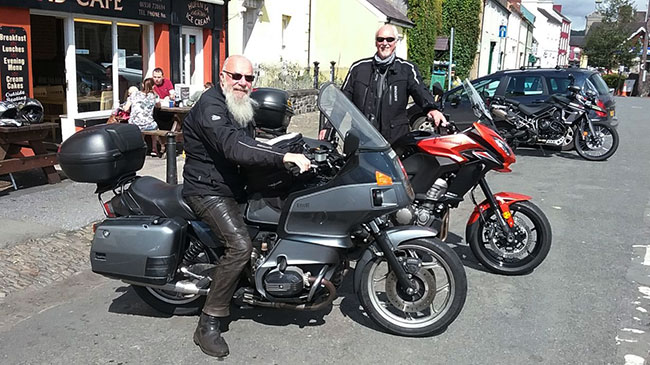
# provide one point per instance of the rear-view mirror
(350, 144)
(454, 100)
(574, 88)
(437, 89)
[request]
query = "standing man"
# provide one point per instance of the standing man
(161, 84)
(218, 139)
(380, 86)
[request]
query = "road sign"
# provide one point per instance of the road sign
(502, 31)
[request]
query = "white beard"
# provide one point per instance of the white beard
(240, 107)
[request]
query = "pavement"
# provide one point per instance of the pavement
(45, 230)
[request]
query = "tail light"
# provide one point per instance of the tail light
(108, 209)
(601, 105)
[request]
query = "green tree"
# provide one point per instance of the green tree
(464, 16)
(422, 37)
(607, 44)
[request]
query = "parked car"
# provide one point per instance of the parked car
(529, 86)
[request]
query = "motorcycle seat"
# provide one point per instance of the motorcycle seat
(530, 110)
(156, 197)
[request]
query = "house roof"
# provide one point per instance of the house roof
(393, 15)
(632, 28)
(549, 16)
(577, 41)
(577, 33)
(442, 44)
(562, 15)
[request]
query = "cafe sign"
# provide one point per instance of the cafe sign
(14, 68)
(150, 10)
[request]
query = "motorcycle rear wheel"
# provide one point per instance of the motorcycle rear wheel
(532, 234)
(442, 289)
(599, 147)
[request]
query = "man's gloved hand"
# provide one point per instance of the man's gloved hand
(437, 117)
(299, 160)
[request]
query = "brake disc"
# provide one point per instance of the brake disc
(518, 249)
(422, 299)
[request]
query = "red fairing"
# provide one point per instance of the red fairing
(504, 199)
(450, 146)
(489, 136)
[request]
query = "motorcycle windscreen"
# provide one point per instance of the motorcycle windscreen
(345, 117)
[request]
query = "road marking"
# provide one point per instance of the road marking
(645, 291)
(634, 360)
(625, 340)
(646, 258)
(641, 309)
(632, 330)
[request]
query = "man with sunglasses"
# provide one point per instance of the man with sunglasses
(218, 136)
(380, 86)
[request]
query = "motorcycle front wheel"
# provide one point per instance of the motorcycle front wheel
(441, 289)
(597, 146)
(531, 245)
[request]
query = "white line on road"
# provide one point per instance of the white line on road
(646, 259)
(645, 291)
(632, 330)
(634, 360)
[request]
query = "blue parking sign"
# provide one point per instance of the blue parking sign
(502, 31)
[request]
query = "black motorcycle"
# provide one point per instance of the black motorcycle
(562, 121)
(305, 229)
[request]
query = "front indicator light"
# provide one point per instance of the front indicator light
(383, 179)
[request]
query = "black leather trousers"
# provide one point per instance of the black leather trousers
(226, 221)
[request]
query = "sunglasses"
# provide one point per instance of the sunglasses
(387, 39)
(238, 76)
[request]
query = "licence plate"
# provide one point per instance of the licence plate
(611, 113)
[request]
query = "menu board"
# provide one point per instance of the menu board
(14, 66)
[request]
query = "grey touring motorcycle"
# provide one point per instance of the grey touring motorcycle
(305, 229)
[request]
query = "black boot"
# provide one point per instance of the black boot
(208, 337)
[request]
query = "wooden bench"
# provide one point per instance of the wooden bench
(12, 139)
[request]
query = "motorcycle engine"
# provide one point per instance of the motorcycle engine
(289, 283)
(551, 128)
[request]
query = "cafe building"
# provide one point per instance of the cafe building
(79, 57)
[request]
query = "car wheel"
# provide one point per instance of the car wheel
(422, 123)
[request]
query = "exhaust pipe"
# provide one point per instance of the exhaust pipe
(182, 287)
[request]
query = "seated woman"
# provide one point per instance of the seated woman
(140, 104)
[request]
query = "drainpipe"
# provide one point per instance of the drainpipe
(309, 37)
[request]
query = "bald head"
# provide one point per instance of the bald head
(237, 75)
(238, 62)
(386, 40)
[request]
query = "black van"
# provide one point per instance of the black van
(530, 86)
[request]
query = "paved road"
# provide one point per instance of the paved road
(586, 304)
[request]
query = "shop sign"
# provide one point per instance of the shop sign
(196, 14)
(14, 67)
(151, 10)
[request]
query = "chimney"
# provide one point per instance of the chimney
(557, 8)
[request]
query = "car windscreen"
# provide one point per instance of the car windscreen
(599, 84)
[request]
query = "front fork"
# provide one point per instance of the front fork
(504, 217)
(384, 245)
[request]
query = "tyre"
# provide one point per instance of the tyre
(173, 303)
(422, 123)
(598, 146)
(440, 296)
(531, 245)
(569, 140)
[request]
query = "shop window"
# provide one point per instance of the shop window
(129, 51)
(94, 58)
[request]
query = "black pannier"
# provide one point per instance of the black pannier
(141, 249)
(103, 153)
(274, 110)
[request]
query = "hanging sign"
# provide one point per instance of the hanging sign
(14, 66)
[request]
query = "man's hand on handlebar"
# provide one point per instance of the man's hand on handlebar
(437, 117)
(297, 159)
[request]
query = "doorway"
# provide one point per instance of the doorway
(191, 56)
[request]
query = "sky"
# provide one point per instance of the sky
(576, 10)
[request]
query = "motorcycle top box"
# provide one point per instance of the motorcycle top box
(274, 110)
(103, 153)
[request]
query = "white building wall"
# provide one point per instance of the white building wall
(493, 17)
(515, 41)
(546, 33)
(256, 30)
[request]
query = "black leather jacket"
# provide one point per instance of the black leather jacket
(216, 146)
(401, 81)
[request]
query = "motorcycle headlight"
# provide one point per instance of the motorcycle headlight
(503, 145)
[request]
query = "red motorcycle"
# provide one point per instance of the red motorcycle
(507, 233)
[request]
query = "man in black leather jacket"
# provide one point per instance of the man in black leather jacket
(219, 138)
(381, 85)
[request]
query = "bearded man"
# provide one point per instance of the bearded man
(219, 138)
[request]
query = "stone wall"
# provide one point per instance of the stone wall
(303, 101)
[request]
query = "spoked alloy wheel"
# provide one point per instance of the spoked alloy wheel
(598, 146)
(532, 240)
(439, 296)
(569, 139)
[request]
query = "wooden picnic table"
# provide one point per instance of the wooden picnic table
(178, 114)
(12, 139)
